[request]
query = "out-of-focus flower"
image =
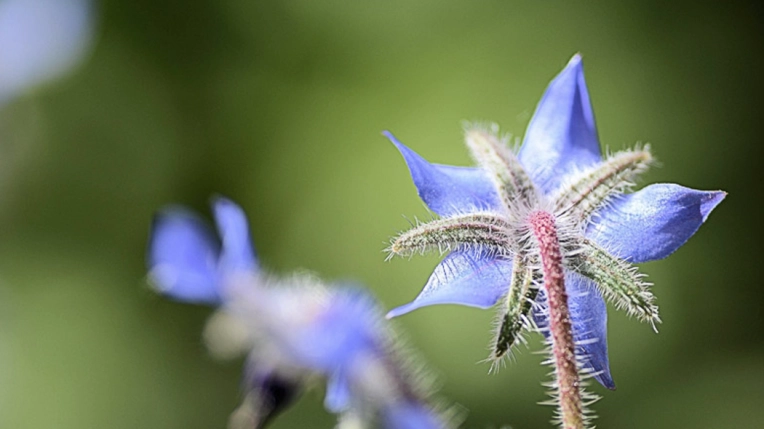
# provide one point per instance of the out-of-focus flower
(297, 328)
(41, 40)
(492, 256)
(189, 263)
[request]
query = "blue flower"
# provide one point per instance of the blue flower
(296, 326)
(187, 261)
(559, 168)
(41, 40)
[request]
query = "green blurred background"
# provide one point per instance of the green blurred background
(279, 105)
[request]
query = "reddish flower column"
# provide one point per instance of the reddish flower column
(569, 396)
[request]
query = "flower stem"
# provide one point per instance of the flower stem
(566, 370)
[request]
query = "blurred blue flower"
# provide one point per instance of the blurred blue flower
(188, 262)
(559, 168)
(296, 326)
(41, 40)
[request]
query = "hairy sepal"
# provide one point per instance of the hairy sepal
(593, 187)
(492, 153)
(621, 283)
(515, 317)
(485, 230)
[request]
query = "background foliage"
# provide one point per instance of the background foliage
(279, 105)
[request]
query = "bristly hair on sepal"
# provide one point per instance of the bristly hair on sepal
(485, 231)
(582, 193)
(621, 283)
(513, 315)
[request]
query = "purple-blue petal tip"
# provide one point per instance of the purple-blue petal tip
(710, 201)
(182, 257)
(338, 394)
(400, 311)
(653, 222)
(401, 147)
(562, 135)
(447, 189)
(238, 253)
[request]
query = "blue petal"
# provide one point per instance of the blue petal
(182, 257)
(589, 315)
(334, 334)
(447, 189)
(411, 415)
(466, 277)
(561, 136)
(654, 222)
(338, 394)
(237, 254)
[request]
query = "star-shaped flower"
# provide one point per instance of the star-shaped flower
(296, 328)
(484, 223)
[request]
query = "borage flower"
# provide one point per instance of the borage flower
(41, 40)
(295, 328)
(490, 217)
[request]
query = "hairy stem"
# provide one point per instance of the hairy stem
(561, 330)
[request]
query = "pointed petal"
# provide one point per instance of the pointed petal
(652, 223)
(182, 257)
(561, 136)
(589, 315)
(237, 254)
(447, 189)
(466, 277)
(338, 394)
